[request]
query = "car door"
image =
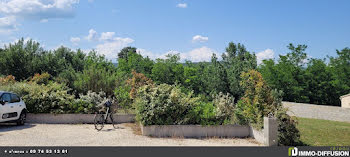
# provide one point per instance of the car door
(8, 109)
(17, 105)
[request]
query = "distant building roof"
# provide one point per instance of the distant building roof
(341, 97)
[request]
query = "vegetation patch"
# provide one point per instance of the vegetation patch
(167, 105)
(232, 89)
(317, 132)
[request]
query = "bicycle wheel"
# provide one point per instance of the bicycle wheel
(99, 121)
(113, 121)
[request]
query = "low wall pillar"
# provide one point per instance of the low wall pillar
(270, 131)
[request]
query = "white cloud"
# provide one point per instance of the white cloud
(195, 55)
(146, 53)
(111, 48)
(198, 55)
(38, 9)
(173, 52)
(182, 5)
(266, 54)
(107, 36)
(307, 59)
(199, 38)
(86, 51)
(92, 35)
(2, 44)
(15, 40)
(8, 24)
(57, 46)
(109, 45)
(75, 40)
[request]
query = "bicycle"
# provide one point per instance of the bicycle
(101, 118)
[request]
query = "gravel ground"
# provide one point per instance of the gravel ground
(86, 135)
(318, 111)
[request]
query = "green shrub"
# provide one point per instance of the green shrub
(93, 97)
(168, 105)
(224, 106)
(41, 78)
(81, 106)
(95, 78)
(165, 105)
(136, 81)
(88, 103)
(54, 98)
(258, 102)
(50, 98)
(15, 87)
(288, 134)
(122, 95)
(205, 114)
(7, 80)
(68, 77)
(239, 116)
(249, 113)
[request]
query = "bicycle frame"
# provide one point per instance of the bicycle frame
(106, 114)
(99, 120)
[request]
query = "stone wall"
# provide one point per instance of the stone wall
(195, 131)
(345, 101)
(74, 118)
(266, 136)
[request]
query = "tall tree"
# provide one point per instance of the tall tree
(340, 69)
(288, 74)
(168, 70)
(319, 89)
(192, 77)
(237, 60)
(214, 78)
(21, 59)
(136, 62)
(125, 52)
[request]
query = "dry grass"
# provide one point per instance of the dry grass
(252, 140)
(135, 127)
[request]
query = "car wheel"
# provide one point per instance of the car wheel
(22, 119)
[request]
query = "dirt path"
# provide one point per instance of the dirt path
(86, 135)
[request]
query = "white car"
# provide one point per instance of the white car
(12, 108)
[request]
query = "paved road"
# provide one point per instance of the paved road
(318, 111)
(86, 135)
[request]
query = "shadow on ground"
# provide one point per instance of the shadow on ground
(108, 130)
(4, 127)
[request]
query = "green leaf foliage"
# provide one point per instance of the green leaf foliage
(165, 105)
(309, 80)
(237, 60)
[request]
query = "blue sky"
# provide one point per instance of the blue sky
(193, 28)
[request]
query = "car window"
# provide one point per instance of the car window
(6, 97)
(15, 98)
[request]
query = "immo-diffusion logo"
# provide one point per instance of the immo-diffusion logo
(293, 151)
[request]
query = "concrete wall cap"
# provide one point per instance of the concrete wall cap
(341, 97)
